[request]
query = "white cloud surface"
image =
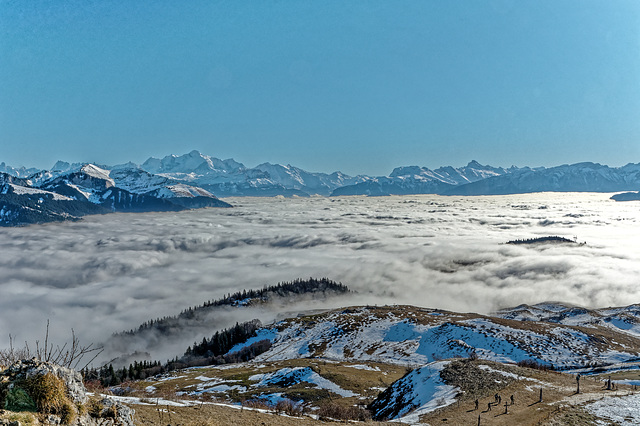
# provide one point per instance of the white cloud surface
(110, 273)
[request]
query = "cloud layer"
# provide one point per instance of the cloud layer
(110, 273)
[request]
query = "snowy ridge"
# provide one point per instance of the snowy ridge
(624, 319)
(405, 335)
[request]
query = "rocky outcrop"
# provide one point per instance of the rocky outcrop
(25, 369)
(58, 395)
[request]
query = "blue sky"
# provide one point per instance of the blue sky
(357, 86)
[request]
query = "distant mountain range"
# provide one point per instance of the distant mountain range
(195, 180)
(71, 191)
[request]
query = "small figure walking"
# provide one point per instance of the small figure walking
(477, 402)
(489, 407)
(512, 400)
(540, 400)
(578, 382)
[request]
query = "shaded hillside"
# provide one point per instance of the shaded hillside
(197, 322)
(17, 209)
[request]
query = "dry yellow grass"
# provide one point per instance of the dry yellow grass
(212, 415)
(366, 383)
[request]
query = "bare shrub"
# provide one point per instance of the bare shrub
(96, 387)
(69, 355)
(289, 408)
(94, 407)
(258, 403)
(336, 411)
(167, 393)
(531, 363)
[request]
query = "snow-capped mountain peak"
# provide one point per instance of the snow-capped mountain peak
(97, 172)
(193, 162)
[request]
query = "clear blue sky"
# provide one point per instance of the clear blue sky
(357, 86)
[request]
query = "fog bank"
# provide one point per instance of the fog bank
(110, 273)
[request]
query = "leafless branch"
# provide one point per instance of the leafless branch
(69, 355)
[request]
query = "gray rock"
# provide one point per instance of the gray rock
(113, 412)
(24, 369)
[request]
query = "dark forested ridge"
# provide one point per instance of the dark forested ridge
(324, 286)
(212, 351)
(539, 240)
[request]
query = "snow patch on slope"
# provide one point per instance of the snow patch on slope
(291, 376)
(24, 190)
(417, 393)
(622, 410)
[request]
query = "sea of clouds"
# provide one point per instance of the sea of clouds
(110, 273)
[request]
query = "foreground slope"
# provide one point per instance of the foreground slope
(446, 392)
(426, 366)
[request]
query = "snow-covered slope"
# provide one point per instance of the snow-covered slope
(10, 188)
(401, 334)
(419, 392)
